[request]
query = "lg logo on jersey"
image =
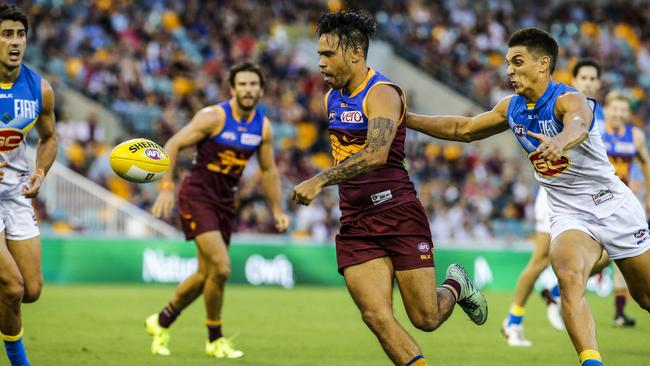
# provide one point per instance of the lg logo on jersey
(10, 139)
(548, 168)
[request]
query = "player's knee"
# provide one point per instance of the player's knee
(571, 282)
(219, 273)
(377, 319)
(426, 323)
(643, 301)
(13, 292)
(33, 292)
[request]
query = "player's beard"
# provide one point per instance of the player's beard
(240, 104)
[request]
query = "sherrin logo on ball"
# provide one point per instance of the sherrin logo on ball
(139, 160)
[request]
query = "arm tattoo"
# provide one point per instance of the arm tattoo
(380, 137)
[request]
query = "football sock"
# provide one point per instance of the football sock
(590, 357)
(15, 349)
(555, 291)
(214, 329)
(167, 316)
(516, 315)
(620, 304)
(453, 286)
(418, 361)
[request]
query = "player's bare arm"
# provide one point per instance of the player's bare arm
(576, 116)
(271, 177)
(204, 122)
(643, 158)
(384, 106)
(459, 128)
(46, 149)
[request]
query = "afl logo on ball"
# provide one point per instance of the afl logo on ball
(153, 154)
(424, 247)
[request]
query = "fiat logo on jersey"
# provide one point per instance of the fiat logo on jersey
(424, 247)
(352, 117)
(10, 139)
(548, 168)
(153, 154)
(519, 130)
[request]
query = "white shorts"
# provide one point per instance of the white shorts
(542, 212)
(624, 234)
(17, 218)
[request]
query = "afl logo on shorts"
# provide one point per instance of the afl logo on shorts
(639, 234)
(10, 139)
(153, 154)
(424, 247)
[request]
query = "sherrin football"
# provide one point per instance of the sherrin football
(139, 160)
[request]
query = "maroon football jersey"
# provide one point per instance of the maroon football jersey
(384, 187)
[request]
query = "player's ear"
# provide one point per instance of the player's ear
(356, 54)
(545, 64)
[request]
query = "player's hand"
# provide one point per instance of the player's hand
(306, 191)
(33, 186)
(281, 221)
(551, 148)
(3, 164)
(163, 205)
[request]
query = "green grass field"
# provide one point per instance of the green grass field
(103, 325)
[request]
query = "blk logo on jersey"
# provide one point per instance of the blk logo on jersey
(548, 168)
(24, 108)
(10, 139)
(351, 117)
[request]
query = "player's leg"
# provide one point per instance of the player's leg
(214, 252)
(157, 325)
(12, 291)
(371, 286)
(27, 254)
(636, 271)
(621, 293)
(573, 255)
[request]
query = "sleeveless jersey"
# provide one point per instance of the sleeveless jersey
(621, 150)
(221, 158)
(20, 106)
(384, 187)
(582, 182)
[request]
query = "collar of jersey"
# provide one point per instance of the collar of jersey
(550, 90)
(362, 86)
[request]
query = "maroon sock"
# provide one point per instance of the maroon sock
(167, 316)
(620, 304)
(214, 332)
(453, 284)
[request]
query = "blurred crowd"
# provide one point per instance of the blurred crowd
(463, 42)
(155, 63)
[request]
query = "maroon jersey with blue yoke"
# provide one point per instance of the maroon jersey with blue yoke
(207, 194)
(384, 187)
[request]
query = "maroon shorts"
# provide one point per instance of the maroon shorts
(198, 217)
(401, 233)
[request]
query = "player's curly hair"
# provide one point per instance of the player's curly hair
(12, 12)
(538, 42)
(353, 28)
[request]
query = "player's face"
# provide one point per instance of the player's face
(524, 69)
(247, 90)
(13, 41)
(617, 112)
(333, 61)
(587, 81)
